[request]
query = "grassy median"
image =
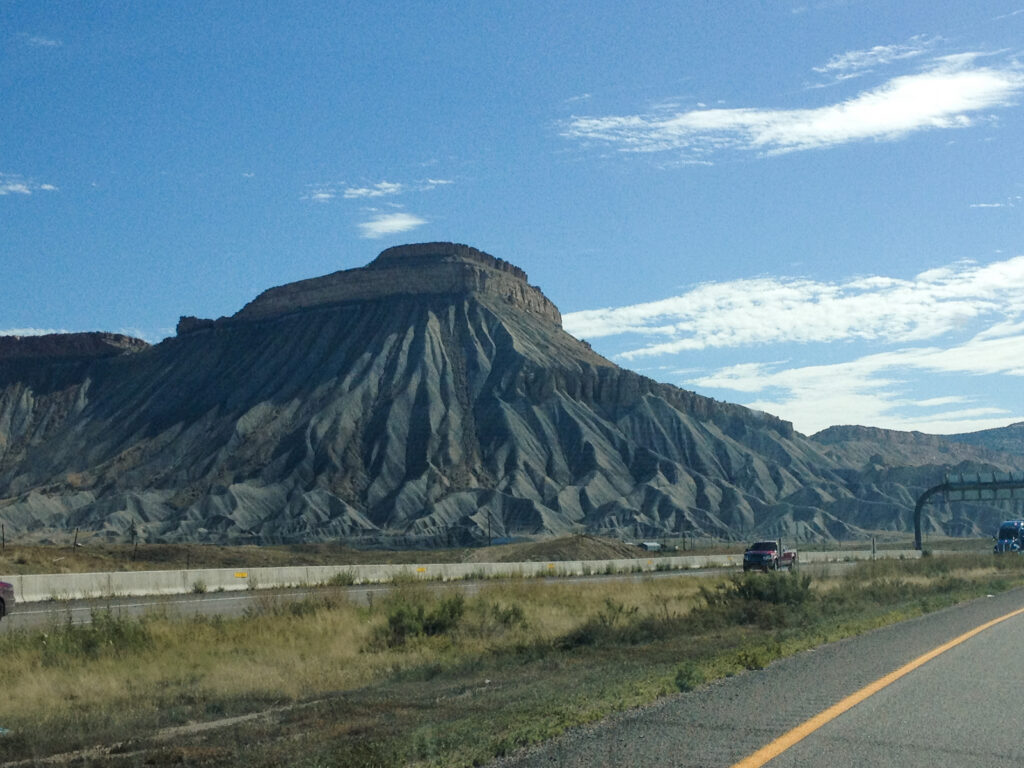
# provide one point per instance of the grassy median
(431, 677)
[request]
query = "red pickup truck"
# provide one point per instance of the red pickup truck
(768, 556)
(6, 598)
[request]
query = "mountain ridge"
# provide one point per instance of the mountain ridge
(411, 412)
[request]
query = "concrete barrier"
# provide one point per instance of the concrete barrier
(76, 586)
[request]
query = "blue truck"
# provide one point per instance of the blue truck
(1010, 537)
(6, 598)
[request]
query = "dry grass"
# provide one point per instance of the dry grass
(429, 677)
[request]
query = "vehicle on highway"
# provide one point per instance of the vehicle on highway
(6, 598)
(1010, 537)
(768, 556)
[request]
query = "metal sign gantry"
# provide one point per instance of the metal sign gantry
(977, 486)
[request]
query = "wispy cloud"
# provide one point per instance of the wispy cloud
(38, 41)
(870, 390)
(951, 92)
(324, 192)
(769, 310)
(1010, 202)
(320, 195)
(876, 56)
(922, 320)
(30, 331)
(381, 189)
(390, 224)
(15, 184)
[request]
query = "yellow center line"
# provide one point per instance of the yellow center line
(805, 729)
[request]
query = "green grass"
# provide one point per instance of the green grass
(428, 677)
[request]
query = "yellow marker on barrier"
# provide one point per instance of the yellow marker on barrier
(551, 566)
(241, 575)
(421, 569)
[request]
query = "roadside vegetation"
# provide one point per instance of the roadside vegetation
(89, 555)
(432, 676)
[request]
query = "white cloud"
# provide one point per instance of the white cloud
(871, 390)
(380, 189)
(39, 41)
(959, 321)
(14, 184)
(320, 195)
(1010, 202)
(879, 55)
(326, 191)
(952, 93)
(390, 224)
(773, 310)
(30, 331)
(14, 188)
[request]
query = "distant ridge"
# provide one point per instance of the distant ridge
(68, 345)
(1009, 438)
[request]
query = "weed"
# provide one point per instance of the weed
(689, 675)
(198, 587)
(410, 617)
(765, 600)
(341, 579)
(106, 635)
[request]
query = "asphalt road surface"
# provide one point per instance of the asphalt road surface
(961, 708)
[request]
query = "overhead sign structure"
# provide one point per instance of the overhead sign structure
(976, 486)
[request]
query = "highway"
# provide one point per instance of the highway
(958, 708)
(27, 616)
(961, 708)
(38, 615)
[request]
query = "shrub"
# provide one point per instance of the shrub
(409, 618)
(688, 676)
(105, 635)
(614, 622)
(342, 579)
(511, 616)
(765, 600)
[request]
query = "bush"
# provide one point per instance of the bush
(688, 676)
(511, 616)
(409, 618)
(766, 600)
(612, 623)
(341, 579)
(106, 635)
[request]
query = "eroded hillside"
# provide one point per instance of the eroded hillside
(428, 398)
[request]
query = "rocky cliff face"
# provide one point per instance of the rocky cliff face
(68, 346)
(427, 398)
(412, 270)
(1007, 439)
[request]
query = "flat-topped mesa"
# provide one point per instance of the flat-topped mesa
(69, 346)
(421, 269)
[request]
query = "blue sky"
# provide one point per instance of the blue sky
(811, 208)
